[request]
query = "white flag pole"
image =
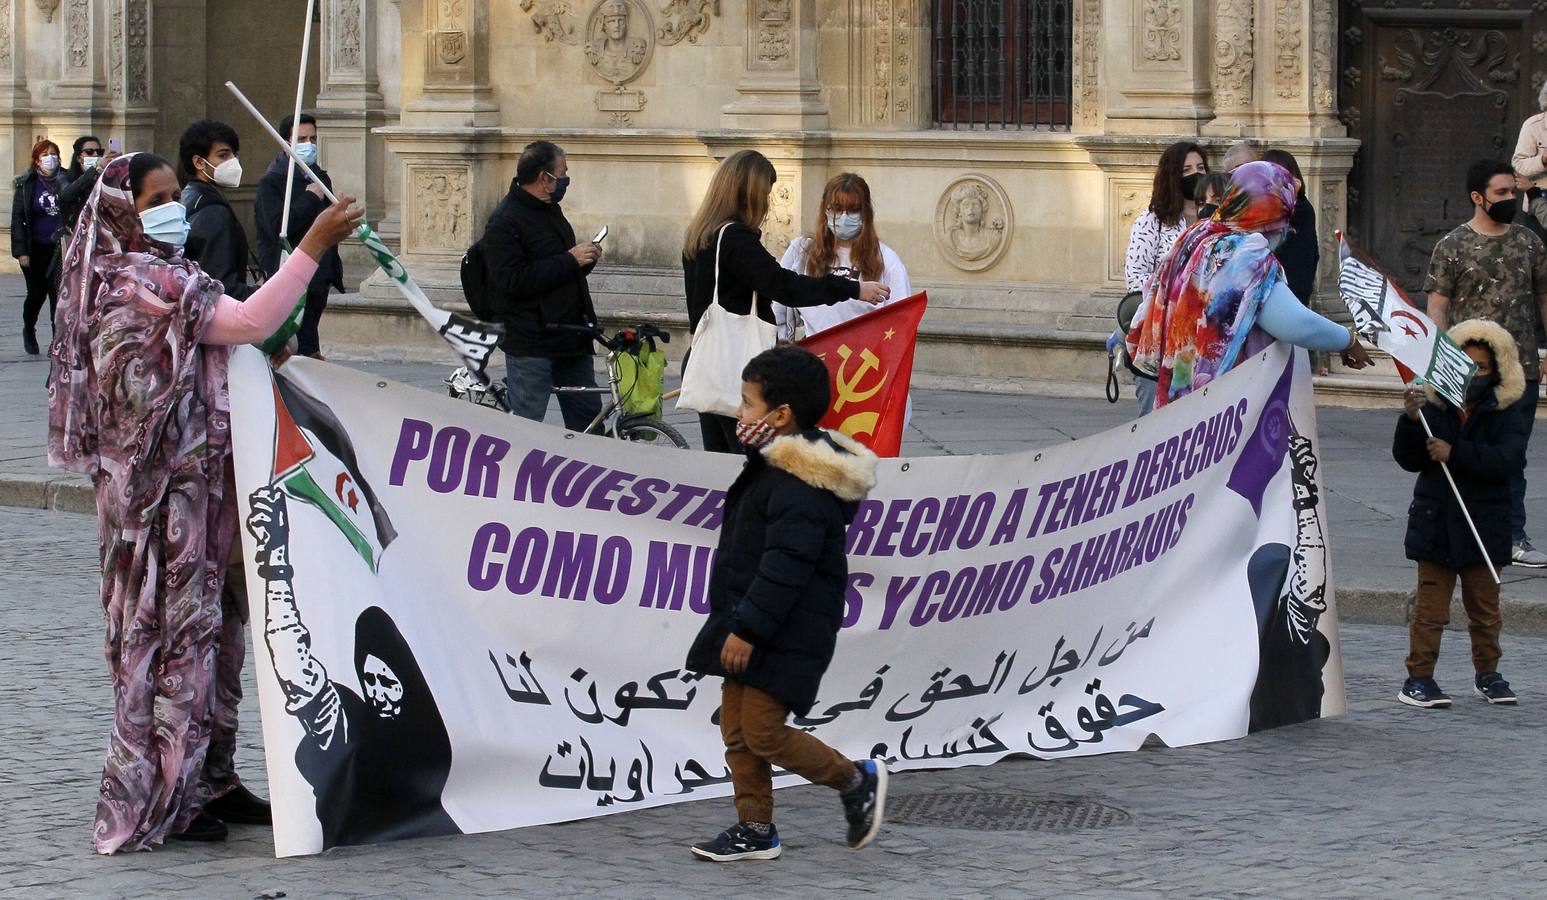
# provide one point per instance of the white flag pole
(295, 120)
(474, 341)
(1462, 504)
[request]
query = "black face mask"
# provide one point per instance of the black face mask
(560, 185)
(1190, 184)
(1504, 211)
(1479, 387)
(1207, 210)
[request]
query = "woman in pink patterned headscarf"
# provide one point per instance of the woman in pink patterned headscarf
(137, 401)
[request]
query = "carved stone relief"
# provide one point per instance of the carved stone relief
(771, 40)
(1128, 200)
(47, 7)
(6, 59)
(346, 28)
(887, 42)
(1087, 64)
(78, 33)
(1233, 56)
(779, 227)
(115, 55)
(1162, 30)
(973, 222)
(136, 51)
(620, 36)
(686, 20)
(1323, 55)
(1288, 43)
(450, 36)
(441, 209)
(554, 21)
(1330, 216)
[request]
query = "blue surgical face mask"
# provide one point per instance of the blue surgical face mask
(306, 153)
(845, 226)
(167, 223)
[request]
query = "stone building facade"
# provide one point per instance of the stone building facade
(1009, 143)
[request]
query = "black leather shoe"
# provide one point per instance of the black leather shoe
(204, 828)
(239, 806)
(29, 341)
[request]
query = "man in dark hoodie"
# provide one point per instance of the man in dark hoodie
(207, 158)
(307, 201)
(776, 598)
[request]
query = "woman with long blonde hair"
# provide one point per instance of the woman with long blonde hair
(844, 242)
(726, 230)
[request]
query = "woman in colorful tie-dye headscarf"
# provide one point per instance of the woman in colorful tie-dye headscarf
(1220, 296)
(137, 401)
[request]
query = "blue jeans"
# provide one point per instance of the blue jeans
(531, 379)
(1144, 392)
(1526, 408)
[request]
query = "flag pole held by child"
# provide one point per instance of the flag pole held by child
(1423, 354)
(473, 340)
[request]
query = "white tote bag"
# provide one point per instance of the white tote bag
(723, 344)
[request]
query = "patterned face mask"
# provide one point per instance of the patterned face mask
(755, 434)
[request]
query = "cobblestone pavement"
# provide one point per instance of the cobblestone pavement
(1385, 801)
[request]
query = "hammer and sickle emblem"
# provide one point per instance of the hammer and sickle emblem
(848, 391)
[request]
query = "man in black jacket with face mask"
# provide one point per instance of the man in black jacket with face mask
(539, 272)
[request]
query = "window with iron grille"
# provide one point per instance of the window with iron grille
(1003, 63)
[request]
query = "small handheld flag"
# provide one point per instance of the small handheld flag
(870, 361)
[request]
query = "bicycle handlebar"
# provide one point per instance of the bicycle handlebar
(618, 341)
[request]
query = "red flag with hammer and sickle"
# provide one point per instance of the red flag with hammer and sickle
(870, 359)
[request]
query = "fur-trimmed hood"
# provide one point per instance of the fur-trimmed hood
(1506, 357)
(826, 460)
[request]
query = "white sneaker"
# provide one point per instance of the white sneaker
(1526, 555)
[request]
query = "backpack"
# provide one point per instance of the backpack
(482, 299)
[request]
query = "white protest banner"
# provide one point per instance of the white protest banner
(1383, 316)
(464, 621)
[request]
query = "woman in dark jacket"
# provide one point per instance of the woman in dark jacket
(34, 219)
(737, 202)
(1482, 444)
(86, 162)
(1300, 254)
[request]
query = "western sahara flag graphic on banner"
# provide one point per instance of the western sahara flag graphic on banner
(870, 361)
(1384, 316)
(315, 462)
(517, 656)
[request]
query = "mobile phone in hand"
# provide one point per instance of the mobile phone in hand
(114, 146)
(600, 235)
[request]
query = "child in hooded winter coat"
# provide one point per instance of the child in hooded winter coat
(1482, 443)
(776, 599)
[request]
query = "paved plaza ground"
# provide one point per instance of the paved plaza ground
(1383, 802)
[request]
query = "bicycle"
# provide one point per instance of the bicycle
(612, 421)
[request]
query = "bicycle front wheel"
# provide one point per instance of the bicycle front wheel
(651, 431)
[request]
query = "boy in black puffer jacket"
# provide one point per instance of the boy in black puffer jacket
(776, 600)
(1482, 444)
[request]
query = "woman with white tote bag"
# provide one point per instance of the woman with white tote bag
(732, 282)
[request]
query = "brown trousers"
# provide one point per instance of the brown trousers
(756, 739)
(1431, 612)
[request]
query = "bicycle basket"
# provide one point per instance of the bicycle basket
(641, 379)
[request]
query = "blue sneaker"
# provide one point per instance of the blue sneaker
(1492, 687)
(740, 842)
(864, 805)
(1423, 693)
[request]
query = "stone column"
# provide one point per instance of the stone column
(779, 87)
(15, 102)
(455, 53)
(1296, 53)
(349, 106)
(82, 84)
(449, 154)
(1157, 67)
(129, 72)
(1233, 56)
(889, 61)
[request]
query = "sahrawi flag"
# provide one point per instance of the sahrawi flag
(870, 360)
(314, 462)
(1383, 315)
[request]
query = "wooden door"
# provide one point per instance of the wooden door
(1428, 91)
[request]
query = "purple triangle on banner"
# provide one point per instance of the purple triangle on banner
(1267, 445)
